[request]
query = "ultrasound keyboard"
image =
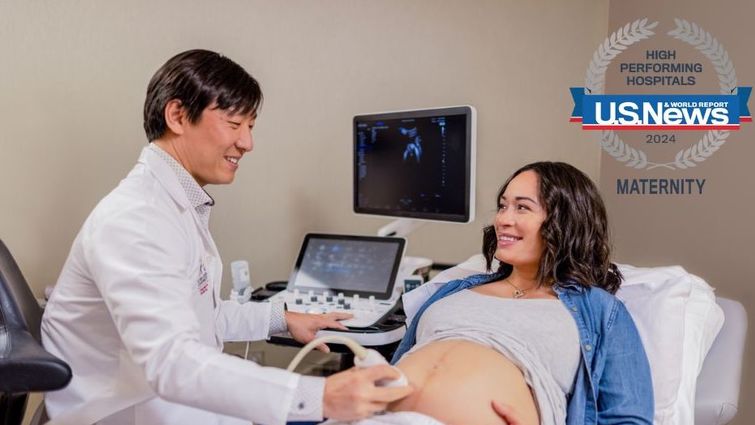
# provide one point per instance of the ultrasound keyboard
(367, 311)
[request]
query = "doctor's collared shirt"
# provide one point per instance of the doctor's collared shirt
(199, 199)
(308, 399)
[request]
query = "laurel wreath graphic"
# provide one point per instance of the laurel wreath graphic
(610, 48)
(632, 33)
(703, 41)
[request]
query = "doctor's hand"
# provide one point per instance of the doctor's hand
(507, 413)
(304, 326)
(352, 394)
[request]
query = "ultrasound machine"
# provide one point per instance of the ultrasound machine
(415, 166)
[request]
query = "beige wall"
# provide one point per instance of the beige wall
(710, 234)
(74, 76)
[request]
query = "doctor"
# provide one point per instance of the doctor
(137, 311)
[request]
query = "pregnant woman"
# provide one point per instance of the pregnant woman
(542, 333)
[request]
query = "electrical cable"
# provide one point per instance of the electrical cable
(359, 351)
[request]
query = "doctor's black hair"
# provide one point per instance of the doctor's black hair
(198, 78)
(575, 231)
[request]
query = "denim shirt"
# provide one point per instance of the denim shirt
(613, 383)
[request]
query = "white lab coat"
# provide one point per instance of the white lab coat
(137, 314)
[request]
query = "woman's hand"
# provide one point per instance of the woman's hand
(303, 326)
(507, 413)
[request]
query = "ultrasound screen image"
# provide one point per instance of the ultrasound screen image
(351, 265)
(411, 166)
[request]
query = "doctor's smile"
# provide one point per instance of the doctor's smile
(214, 134)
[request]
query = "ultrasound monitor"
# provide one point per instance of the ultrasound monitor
(416, 164)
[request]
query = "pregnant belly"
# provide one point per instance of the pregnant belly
(456, 381)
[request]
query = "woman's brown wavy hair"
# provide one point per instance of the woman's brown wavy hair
(575, 231)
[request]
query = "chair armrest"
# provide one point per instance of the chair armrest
(26, 367)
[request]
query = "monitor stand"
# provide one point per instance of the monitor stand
(401, 228)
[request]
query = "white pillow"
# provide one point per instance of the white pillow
(704, 318)
(676, 316)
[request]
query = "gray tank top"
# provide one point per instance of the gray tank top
(537, 335)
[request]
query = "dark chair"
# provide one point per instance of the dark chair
(24, 365)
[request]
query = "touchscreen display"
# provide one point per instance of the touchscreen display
(350, 264)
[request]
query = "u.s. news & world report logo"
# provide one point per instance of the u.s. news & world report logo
(658, 98)
(666, 113)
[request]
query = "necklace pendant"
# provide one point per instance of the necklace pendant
(518, 293)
